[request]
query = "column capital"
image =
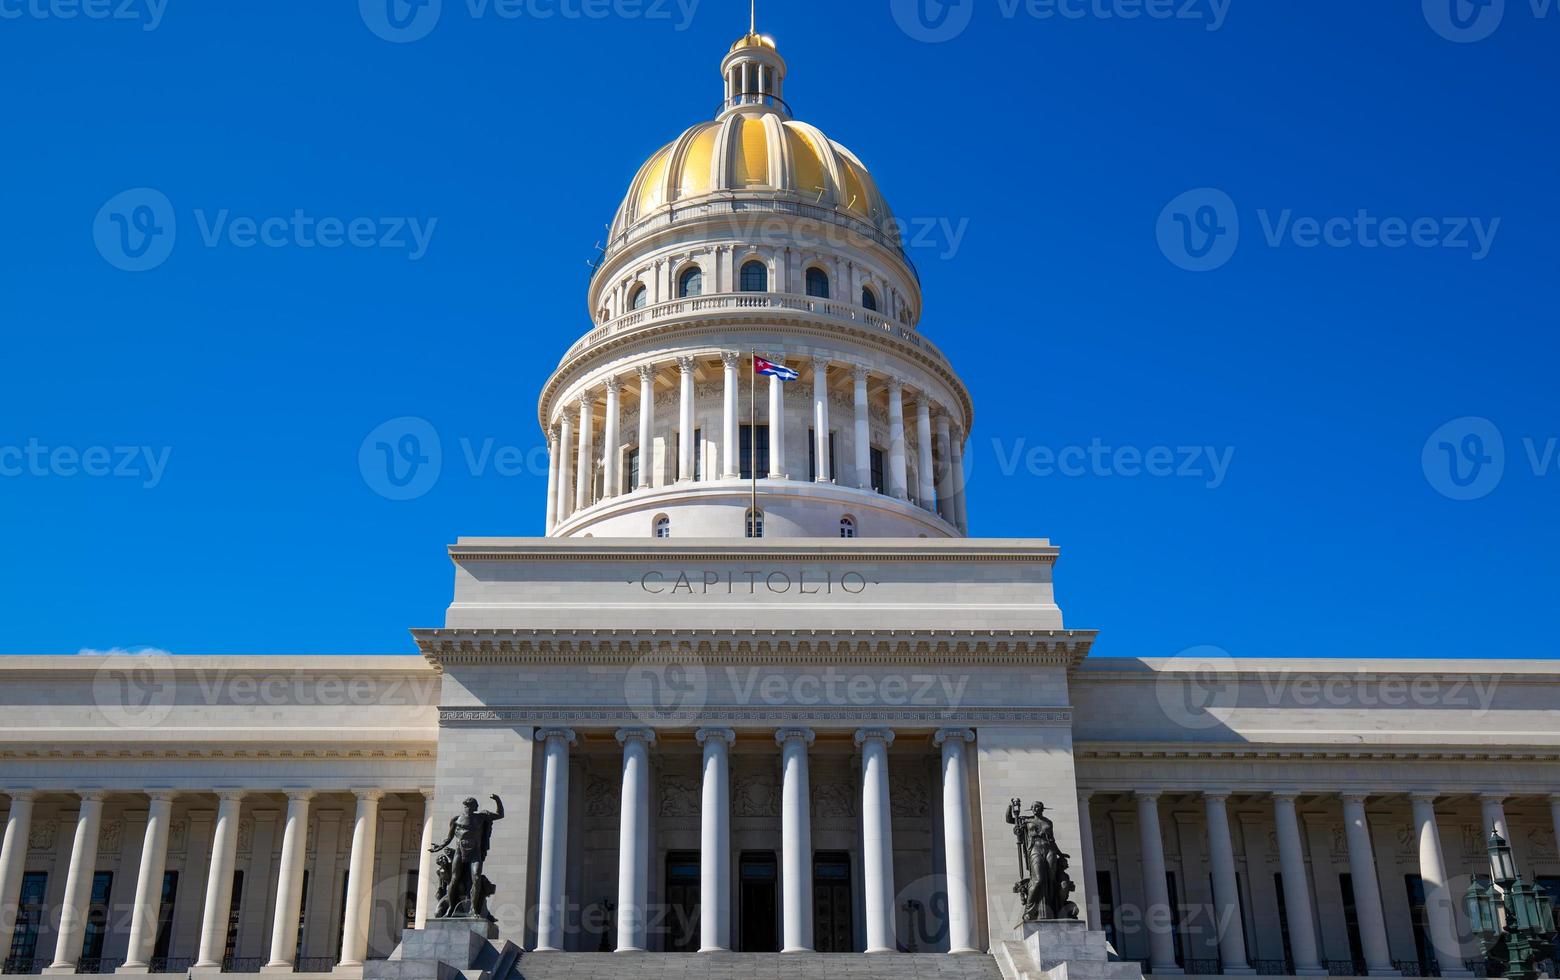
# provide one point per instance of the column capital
(626, 735)
(896, 387)
(820, 364)
(860, 373)
(646, 373)
(161, 795)
(368, 795)
(953, 734)
(30, 795)
(685, 364)
(548, 734)
(427, 795)
(1220, 796)
(1424, 796)
(1147, 795)
(884, 735)
(785, 735)
(300, 795)
(725, 735)
(230, 795)
(1554, 798)
(554, 434)
(730, 358)
(1285, 795)
(1354, 796)
(614, 385)
(92, 795)
(583, 403)
(1493, 797)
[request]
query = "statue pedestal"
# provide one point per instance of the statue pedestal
(1063, 949)
(446, 949)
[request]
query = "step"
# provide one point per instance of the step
(756, 966)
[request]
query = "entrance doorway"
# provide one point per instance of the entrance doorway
(759, 905)
(680, 930)
(833, 929)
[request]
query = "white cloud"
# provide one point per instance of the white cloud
(124, 652)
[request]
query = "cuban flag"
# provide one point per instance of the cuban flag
(774, 370)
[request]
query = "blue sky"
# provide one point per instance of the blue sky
(1042, 152)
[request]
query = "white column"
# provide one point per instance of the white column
(923, 435)
(634, 840)
(863, 431)
(946, 506)
(219, 881)
(1367, 890)
(1090, 875)
(552, 479)
(289, 883)
(148, 884)
(715, 842)
(1492, 807)
(584, 467)
(1554, 818)
(1157, 915)
(78, 885)
(1297, 888)
(731, 465)
(957, 838)
(425, 863)
(646, 425)
(13, 861)
(551, 916)
(960, 496)
(1226, 892)
(821, 420)
(685, 426)
(776, 428)
(565, 470)
(611, 449)
(898, 475)
(795, 840)
(877, 840)
(360, 879)
(1439, 914)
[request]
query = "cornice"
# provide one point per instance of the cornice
(962, 551)
(603, 716)
(191, 751)
(1138, 752)
(1003, 648)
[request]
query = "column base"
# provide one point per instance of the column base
(1384, 972)
(134, 969)
(58, 971)
(1317, 971)
(1247, 971)
(278, 968)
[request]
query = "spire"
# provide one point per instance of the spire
(753, 70)
(753, 17)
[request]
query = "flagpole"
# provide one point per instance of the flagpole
(749, 529)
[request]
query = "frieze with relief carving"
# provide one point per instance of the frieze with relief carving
(907, 795)
(756, 795)
(601, 798)
(680, 796)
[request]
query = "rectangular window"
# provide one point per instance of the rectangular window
(29, 919)
(1107, 896)
(812, 456)
(748, 452)
(1351, 922)
(877, 469)
(97, 918)
(631, 471)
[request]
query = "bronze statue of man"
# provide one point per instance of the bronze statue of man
(463, 890)
(1045, 884)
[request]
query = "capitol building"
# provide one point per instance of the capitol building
(756, 705)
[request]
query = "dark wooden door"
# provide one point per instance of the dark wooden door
(759, 908)
(833, 926)
(680, 929)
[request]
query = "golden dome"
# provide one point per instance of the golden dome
(752, 40)
(761, 153)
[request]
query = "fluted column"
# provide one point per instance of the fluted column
(795, 840)
(685, 424)
(877, 839)
(611, 442)
(1492, 808)
(565, 470)
(1090, 868)
(148, 884)
(646, 425)
(289, 883)
(960, 493)
(552, 479)
(957, 838)
(1439, 915)
(78, 885)
(1157, 915)
(825, 472)
(551, 916)
(776, 428)
(923, 435)
(219, 881)
(1226, 891)
(425, 863)
(944, 471)
(715, 841)
(898, 469)
(584, 467)
(634, 840)
(13, 861)
(730, 463)
(863, 430)
(1297, 888)
(1367, 890)
(360, 879)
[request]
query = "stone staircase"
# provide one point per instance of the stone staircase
(754, 966)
